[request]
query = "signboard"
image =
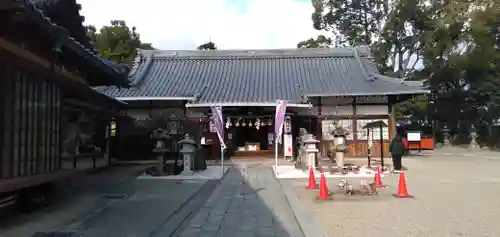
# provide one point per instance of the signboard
(270, 139)
(414, 136)
(288, 145)
(370, 139)
(288, 125)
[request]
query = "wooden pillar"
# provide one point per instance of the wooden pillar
(319, 121)
(355, 129)
(3, 100)
(391, 120)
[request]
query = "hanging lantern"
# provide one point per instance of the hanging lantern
(257, 124)
(250, 123)
(237, 123)
(243, 124)
(228, 123)
(270, 122)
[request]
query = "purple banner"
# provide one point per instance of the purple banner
(279, 118)
(218, 121)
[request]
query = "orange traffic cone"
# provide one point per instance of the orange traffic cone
(402, 191)
(312, 179)
(378, 179)
(323, 190)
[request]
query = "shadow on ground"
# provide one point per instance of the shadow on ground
(248, 201)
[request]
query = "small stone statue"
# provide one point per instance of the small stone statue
(346, 187)
(473, 135)
(367, 188)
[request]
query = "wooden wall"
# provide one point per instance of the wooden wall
(352, 113)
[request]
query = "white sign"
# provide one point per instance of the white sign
(270, 138)
(414, 136)
(370, 139)
(288, 145)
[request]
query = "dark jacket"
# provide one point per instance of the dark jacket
(397, 146)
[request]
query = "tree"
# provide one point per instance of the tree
(391, 28)
(117, 42)
(353, 22)
(320, 42)
(456, 45)
(482, 70)
(207, 46)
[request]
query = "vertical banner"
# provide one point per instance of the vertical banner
(279, 118)
(217, 120)
(278, 127)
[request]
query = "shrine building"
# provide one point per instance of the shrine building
(323, 87)
(48, 68)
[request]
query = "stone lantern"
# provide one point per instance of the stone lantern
(311, 150)
(446, 136)
(301, 161)
(188, 148)
(159, 137)
(473, 135)
(339, 139)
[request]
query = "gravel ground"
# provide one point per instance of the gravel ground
(456, 194)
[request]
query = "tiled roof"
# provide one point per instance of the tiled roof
(257, 76)
(33, 8)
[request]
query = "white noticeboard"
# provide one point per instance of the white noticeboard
(414, 136)
(288, 142)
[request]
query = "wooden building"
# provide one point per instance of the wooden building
(323, 86)
(47, 69)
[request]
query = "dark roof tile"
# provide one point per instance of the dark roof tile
(35, 9)
(256, 76)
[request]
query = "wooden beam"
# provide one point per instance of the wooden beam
(27, 55)
(355, 126)
(9, 6)
(16, 183)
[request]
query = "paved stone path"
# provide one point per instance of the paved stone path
(154, 204)
(248, 202)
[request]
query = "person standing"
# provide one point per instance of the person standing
(397, 148)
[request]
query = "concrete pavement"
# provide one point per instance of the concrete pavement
(115, 203)
(248, 202)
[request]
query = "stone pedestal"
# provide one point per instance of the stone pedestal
(160, 151)
(446, 136)
(473, 135)
(159, 136)
(187, 162)
(473, 143)
(339, 154)
(311, 150)
(188, 149)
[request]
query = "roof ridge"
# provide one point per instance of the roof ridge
(221, 58)
(139, 76)
(257, 53)
(363, 69)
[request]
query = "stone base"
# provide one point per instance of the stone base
(212, 172)
(187, 173)
(473, 145)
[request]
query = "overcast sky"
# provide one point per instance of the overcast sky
(231, 24)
